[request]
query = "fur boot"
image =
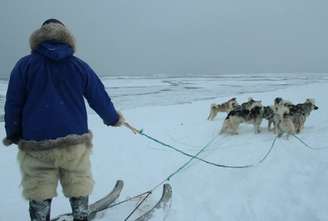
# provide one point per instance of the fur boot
(80, 208)
(40, 210)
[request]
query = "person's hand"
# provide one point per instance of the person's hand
(121, 119)
(133, 129)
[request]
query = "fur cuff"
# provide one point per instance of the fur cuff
(52, 31)
(7, 142)
(120, 120)
(62, 142)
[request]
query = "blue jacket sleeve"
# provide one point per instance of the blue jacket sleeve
(98, 98)
(15, 99)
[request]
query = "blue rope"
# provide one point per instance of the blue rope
(192, 157)
(206, 161)
(185, 164)
(308, 146)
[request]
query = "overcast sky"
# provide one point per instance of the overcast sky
(178, 36)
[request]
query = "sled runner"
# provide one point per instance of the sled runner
(163, 204)
(98, 205)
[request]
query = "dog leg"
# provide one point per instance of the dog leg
(213, 112)
(275, 131)
(222, 131)
(298, 128)
(291, 127)
(257, 128)
(210, 116)
(279, 128)
(225, 127)
(269, 125)
(234, 127)
(258, 125)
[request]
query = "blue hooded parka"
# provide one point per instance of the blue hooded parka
(46, 91)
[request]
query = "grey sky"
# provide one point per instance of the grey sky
(178, 36)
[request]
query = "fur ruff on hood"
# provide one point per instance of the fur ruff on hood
(52, 31)
(62, 142)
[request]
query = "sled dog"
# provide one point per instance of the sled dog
(240, 115)
(283, 122)
(268, 114)
(299, 113)
(248, 105)
(224, 107)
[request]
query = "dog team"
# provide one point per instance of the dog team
(283, 116)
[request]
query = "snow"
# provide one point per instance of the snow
(291, 184)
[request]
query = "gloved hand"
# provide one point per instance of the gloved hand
(121, 119)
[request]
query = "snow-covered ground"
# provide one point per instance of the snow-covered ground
(290, 185)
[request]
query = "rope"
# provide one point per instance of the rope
(206, 161)
(139, 204)
(129, 199)
(308, 146)
(141, 132)
(185, 164)
(169, 177)
(192, 157)
(124, 201)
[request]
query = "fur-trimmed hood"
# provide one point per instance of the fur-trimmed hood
(52, 32)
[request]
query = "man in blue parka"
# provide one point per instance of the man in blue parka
(45, 115)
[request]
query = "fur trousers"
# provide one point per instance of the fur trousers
(41, 171)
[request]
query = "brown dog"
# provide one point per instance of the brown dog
(224, 107)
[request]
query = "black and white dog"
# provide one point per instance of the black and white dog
(248, 105)
(299, 112)
(242, 115)
(268, 114)
(286, 113)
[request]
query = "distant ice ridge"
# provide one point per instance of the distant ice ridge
(132, 91)
(148, 90)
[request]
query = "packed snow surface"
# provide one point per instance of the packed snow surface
(291, 184)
